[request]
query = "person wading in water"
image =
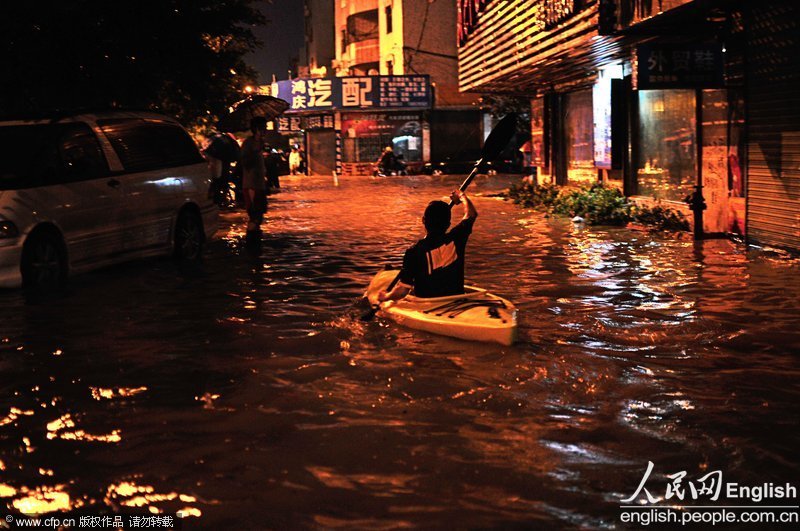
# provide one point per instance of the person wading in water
(254, 175)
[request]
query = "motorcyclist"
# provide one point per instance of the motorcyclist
(388, 162)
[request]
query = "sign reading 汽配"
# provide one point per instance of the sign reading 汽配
(355, 92)
(296, 123)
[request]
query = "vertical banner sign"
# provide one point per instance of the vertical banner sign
(338, 152)
(601, 111)
(715, 160)
(537, 132)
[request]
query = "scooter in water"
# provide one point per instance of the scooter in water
(223, 190)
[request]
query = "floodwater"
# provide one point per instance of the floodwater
(247, 395)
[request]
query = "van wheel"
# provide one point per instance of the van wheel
(189, 237)
(44, 264)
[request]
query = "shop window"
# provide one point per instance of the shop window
(366, 136)
(579, 137)
(667, 163)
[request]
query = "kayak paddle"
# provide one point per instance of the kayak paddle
(498, 139)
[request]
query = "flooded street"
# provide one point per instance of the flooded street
(249, 395)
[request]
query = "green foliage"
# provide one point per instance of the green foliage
(597, 204)
(660, 217)
(184, 58)
(534, 195)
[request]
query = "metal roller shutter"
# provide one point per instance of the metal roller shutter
(773, 94)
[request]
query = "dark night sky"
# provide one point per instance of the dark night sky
(282, 38)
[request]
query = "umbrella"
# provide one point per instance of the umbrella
(223, 147)
(238, 119)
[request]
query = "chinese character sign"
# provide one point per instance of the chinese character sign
(355, 92)
(671, 66)
(298, 123)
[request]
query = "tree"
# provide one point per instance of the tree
(180, 57)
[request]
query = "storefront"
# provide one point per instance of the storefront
(347, 122)
(666, 162)
(687, 133)
(651, 104)
(366, 135)
(578, 137)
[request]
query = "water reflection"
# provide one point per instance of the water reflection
(251, 394)
(43, 500)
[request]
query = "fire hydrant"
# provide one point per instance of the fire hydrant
(697, 204)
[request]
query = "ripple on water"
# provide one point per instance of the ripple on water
(252, 388)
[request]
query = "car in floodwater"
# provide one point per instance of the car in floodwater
(81, 191)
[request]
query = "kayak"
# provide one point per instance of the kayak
(475, 315)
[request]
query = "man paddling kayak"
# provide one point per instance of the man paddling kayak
(434, 266)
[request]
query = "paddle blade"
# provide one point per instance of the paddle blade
(499, 137)
(370, 314)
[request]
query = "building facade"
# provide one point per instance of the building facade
(319, 47)
(397, 45)
(663, 98)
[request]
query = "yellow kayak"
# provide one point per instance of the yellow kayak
(475, 315)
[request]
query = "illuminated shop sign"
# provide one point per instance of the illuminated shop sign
(296, 123)
(555, 12)
(673, 66)
(468, 11)
(349, 93)
(550, 14)
(607, 94)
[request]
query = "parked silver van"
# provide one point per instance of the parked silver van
(83, 191)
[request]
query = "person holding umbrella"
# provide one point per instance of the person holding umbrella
(254, 175)
(252, 113)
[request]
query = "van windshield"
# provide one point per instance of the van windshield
(28, 153)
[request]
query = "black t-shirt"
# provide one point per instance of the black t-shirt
(434, 266)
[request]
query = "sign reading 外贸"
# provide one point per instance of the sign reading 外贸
(673, 66)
